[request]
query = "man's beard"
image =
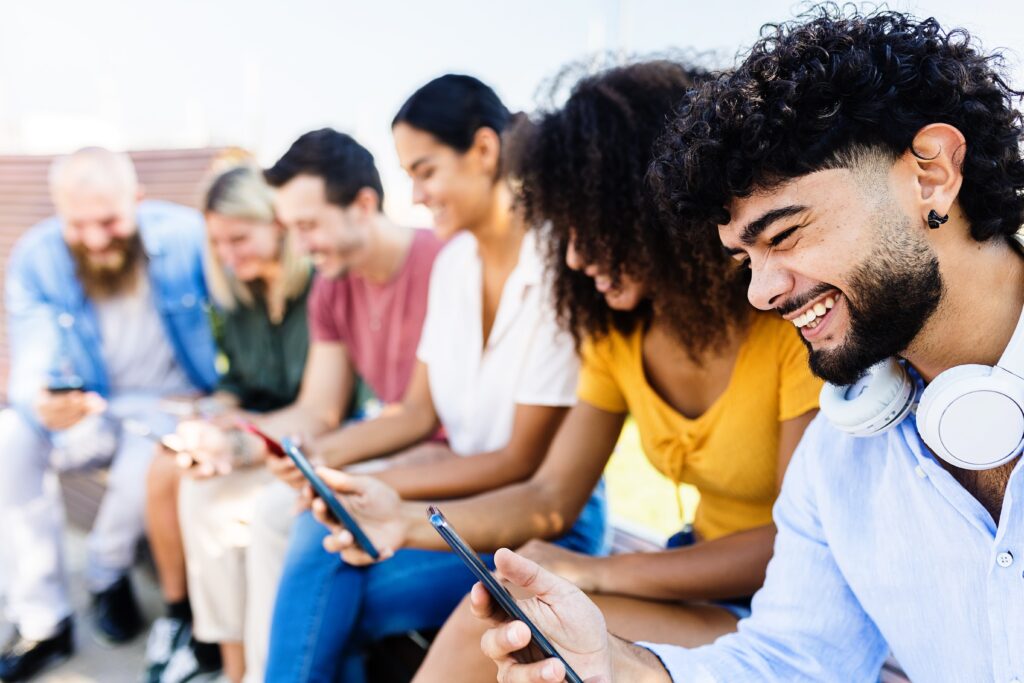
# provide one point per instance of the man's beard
(892, 295)
(100, 280)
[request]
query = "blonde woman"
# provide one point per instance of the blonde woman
(259, 285)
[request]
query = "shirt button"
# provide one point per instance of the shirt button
(65, 320)
(1004, 560)
(188, 301)
(919, 471)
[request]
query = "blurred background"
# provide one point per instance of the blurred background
(148, 75)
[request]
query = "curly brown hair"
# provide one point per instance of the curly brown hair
(582, 168)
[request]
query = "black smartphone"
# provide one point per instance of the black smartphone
(327, 495)
(273, 447)
(63, 386)
(497, 591)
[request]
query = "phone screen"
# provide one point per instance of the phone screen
(327, 495)
(498, 592)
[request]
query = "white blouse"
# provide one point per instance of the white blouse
(528, 359)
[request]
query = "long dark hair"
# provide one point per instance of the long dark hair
(453, 108)
(582, 169)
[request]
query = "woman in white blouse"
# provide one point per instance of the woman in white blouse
(494, 371)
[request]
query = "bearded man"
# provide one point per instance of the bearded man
(106, 317)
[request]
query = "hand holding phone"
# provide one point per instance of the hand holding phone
(63, 403)
(324, 492)
(273, 447)
(498, 593)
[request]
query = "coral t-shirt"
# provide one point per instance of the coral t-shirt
(379, 324)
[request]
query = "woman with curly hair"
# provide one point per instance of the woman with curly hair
(721, 395)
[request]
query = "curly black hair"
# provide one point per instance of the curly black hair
(581, 169)
(813, 92)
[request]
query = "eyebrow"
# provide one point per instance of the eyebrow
(421, 160)
(753, 229)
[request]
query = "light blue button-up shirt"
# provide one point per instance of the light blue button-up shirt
(878, 546)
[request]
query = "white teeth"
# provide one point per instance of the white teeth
(809, 318)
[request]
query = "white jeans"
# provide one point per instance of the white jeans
(32, 518)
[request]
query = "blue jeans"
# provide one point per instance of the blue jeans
(326, 610)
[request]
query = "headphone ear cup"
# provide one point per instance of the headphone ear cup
(876, 403)
(972, 416)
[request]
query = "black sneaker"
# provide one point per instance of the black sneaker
(115, 614)
(21, 659)
(165, 637)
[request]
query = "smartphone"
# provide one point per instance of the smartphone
(498, 592)
(63, 386)
(139, 428)
(273, 447)
(327, 495)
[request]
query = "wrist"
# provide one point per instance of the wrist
(632, 662)
(246, 449)
(596, 573)
(416, 530)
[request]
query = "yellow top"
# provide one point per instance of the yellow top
(730, 453)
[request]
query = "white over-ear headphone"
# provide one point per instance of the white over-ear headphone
(971, 416)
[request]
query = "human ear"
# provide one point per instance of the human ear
(486, 150)
(936, 159)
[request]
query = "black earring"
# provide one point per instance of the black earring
(935, 220)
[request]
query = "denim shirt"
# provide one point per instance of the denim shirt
(52, 326)
(878, 546)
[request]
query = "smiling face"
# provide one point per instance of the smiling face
(457, 187)
(335, 238)
(249, 249)
(836, 253)
(623, 294)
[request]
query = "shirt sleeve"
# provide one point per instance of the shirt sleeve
(32, 330)
(552, 367)
(798, 387)
(323, 318)
(597, 385)
(806, 625)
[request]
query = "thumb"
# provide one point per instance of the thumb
(527, 574)
(342, 482)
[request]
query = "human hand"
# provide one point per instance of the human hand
(376, 507)
(575, 567)
(62, 410)
(216, 451)
(560, 610)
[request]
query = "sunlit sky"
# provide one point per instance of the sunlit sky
(188, 73)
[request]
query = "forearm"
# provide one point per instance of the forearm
(505, 518)
(455, 476)
(379, 436)
(295, 420)
(727, 567)
(635, 664)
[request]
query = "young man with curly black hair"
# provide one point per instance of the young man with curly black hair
(867, 169)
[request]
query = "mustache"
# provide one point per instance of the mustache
(798, 302)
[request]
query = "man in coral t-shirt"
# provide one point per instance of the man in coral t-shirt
(366, 309)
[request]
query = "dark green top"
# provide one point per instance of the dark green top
(265, 361)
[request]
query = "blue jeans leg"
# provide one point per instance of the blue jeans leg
(303, 597)
(326, 611)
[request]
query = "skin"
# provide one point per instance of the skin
(95, 194)
(633, 588)
(358, 239)
(970, 326)
(461, 190)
